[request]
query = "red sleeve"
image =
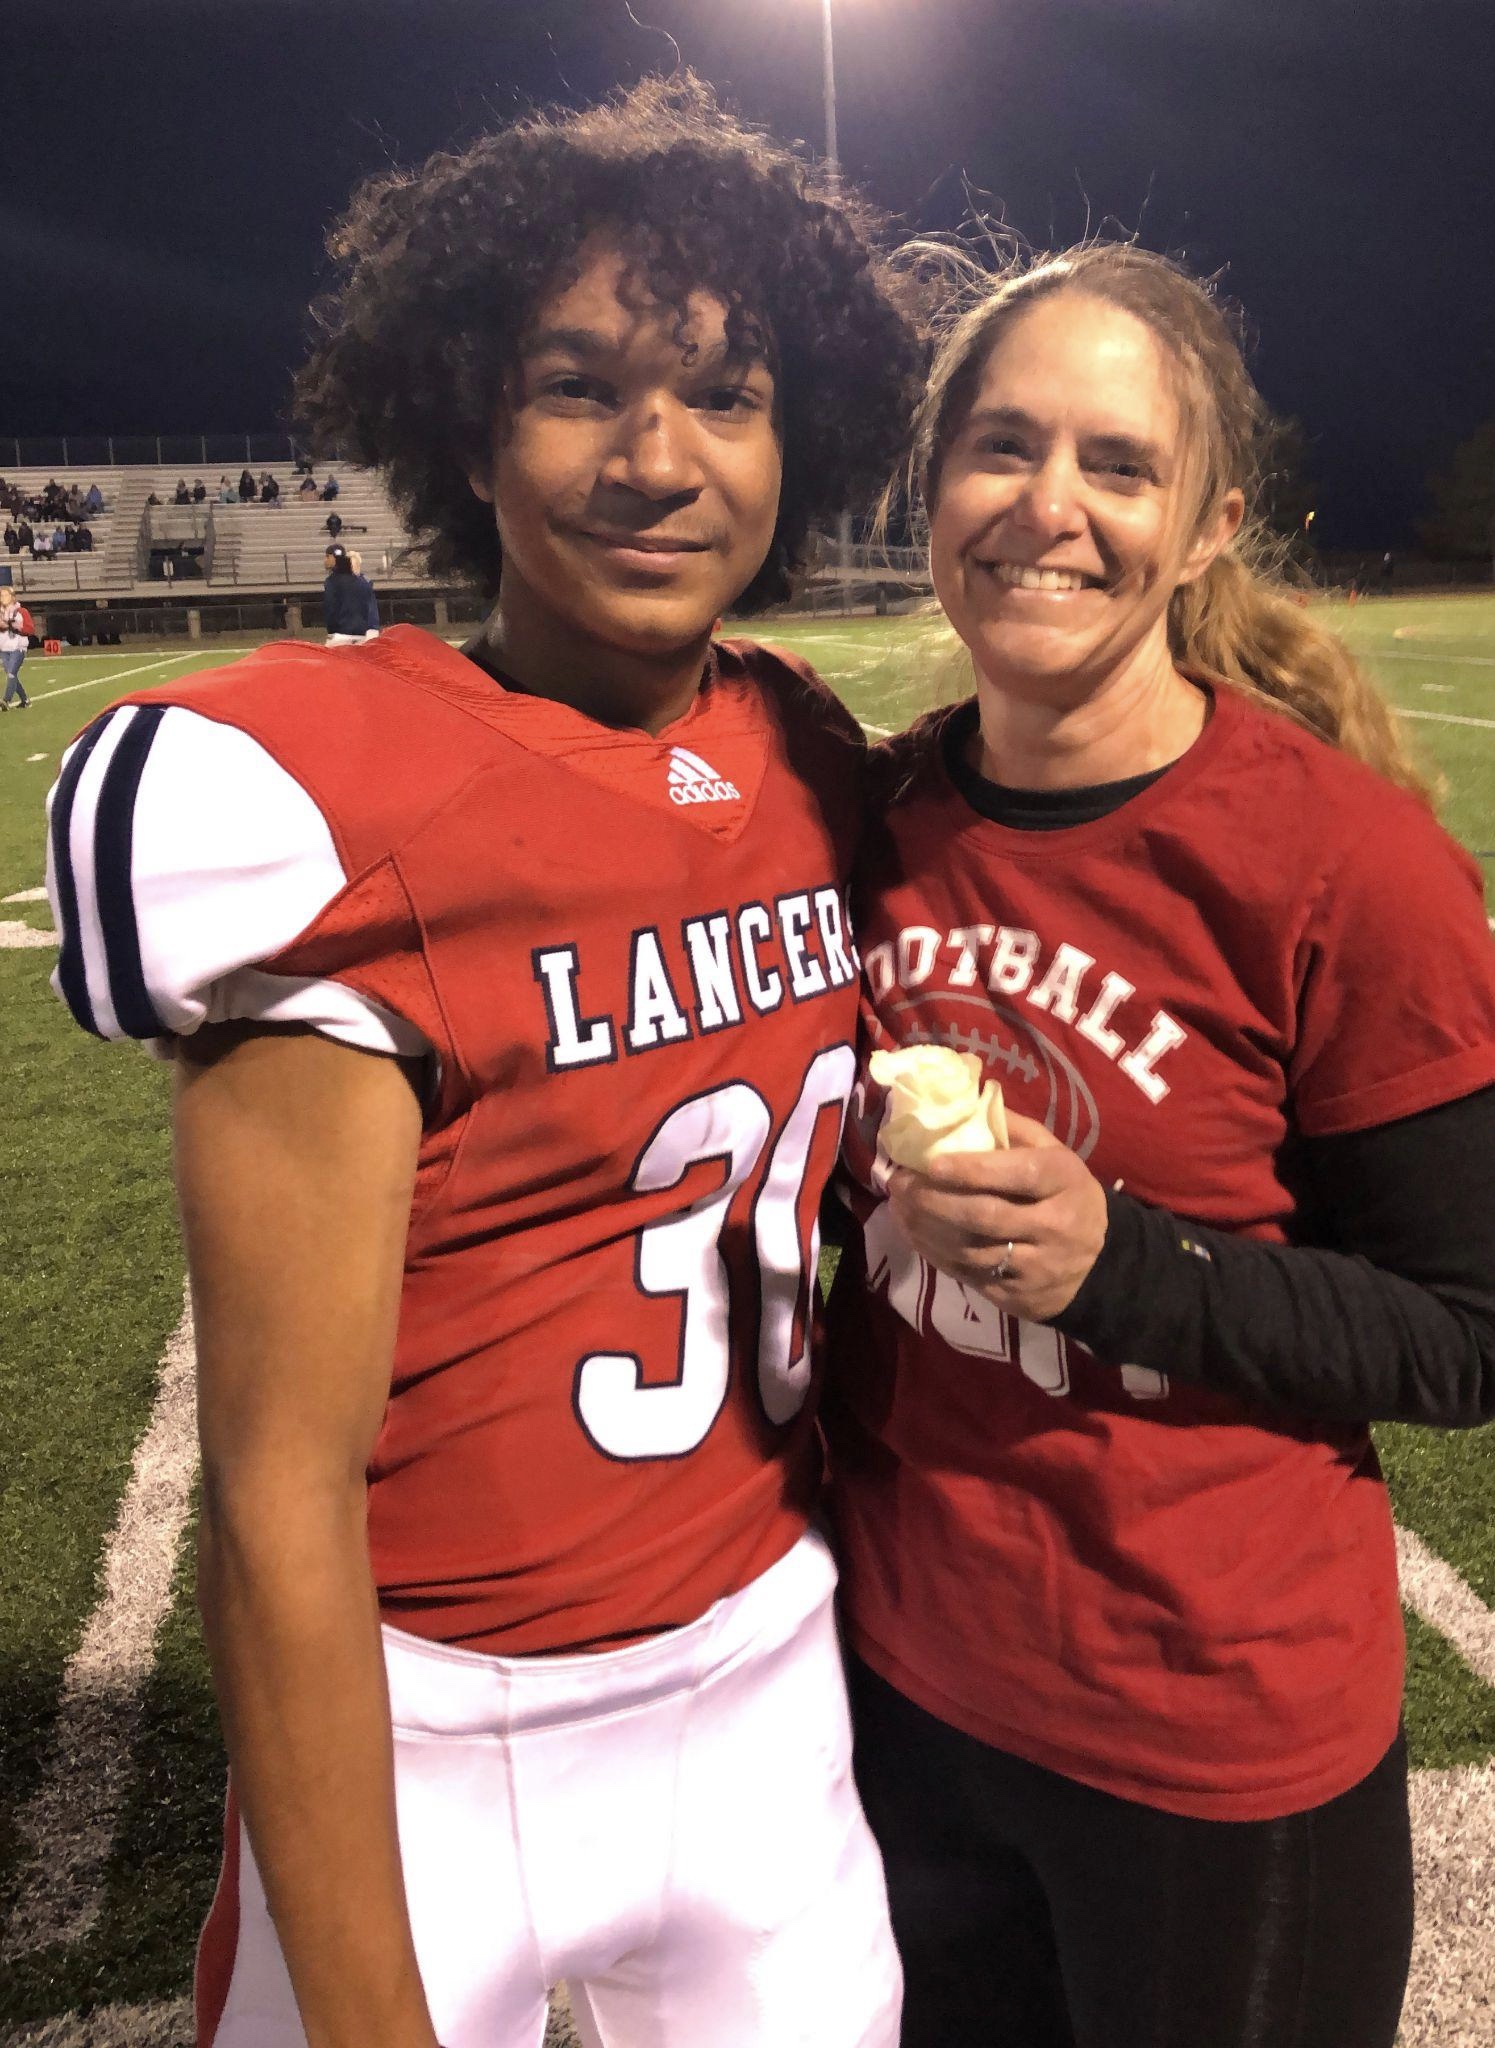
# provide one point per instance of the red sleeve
(1395, 978)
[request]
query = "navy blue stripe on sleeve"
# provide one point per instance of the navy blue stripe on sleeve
(71, 977)
(114, 836)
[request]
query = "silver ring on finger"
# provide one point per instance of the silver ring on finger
(1003, 1268)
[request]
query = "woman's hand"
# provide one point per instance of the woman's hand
(1023, 1227)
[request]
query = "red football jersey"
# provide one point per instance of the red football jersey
(630, 957)
(1144, 1586)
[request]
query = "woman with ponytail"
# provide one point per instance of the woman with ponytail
(1119, 1567)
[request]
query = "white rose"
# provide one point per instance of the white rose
(937, 1103)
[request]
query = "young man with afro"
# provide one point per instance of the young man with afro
(512, 999)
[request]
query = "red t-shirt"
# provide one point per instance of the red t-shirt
(1144, 1586)
(630, 957)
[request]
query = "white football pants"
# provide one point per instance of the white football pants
(672, 1828)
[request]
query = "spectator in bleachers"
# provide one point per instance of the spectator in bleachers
(42, 545)
(331, 487)
(153, 499)
(334, 525)
(227, 491)
(93, 502)
(303, 465)
(11, 538)
(25, 538)
(60, 537)
(308, 487)
(247, 492)
(269, 489)
(54, 500)
(83, 540)
(199, 490)
(74, 502)
(181, 495)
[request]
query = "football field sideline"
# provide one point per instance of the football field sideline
(69, 1823)
(115, 1879)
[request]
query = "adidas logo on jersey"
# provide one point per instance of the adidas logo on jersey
(694, 781)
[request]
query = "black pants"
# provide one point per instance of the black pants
(1033, 1912)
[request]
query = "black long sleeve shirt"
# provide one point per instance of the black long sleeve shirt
(1383, 1305)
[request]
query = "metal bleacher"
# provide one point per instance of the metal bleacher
(63, 574)
(220, 549)
(281, 546)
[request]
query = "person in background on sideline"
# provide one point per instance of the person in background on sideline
(371, 604)
(346, 600)
(247, 492)
(331, 488)
(227, 493)
(1119, 1572)
(307, 487)
(13, 646)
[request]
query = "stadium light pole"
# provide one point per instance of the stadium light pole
(828, 83)
(833, 165)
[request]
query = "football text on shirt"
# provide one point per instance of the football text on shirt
(728, 965)
(1009, 961)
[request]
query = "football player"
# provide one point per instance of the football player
(512, 1001)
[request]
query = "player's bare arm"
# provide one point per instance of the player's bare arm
(295, 1159)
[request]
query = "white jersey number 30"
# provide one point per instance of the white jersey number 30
(681, 1255)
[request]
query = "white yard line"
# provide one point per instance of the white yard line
(1451, 1992)
(26, 896)
(1438, 660)
(98, 682)
(1445, 717)
(15, 936)
(167, 2025)
(878, 732)
(71, 1819)
(852, 640)
(1436, 1592)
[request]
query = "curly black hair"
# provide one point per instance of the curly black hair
(443, 270)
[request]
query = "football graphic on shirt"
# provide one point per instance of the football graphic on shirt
(1036, 1078)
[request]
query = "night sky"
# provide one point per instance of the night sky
(173, 166)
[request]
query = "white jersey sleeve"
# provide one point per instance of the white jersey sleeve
(180, 857)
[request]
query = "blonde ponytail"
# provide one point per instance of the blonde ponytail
(1251, 628)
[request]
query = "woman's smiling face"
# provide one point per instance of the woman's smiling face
(1061, 519)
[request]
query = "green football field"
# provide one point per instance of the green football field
(110, 1773)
